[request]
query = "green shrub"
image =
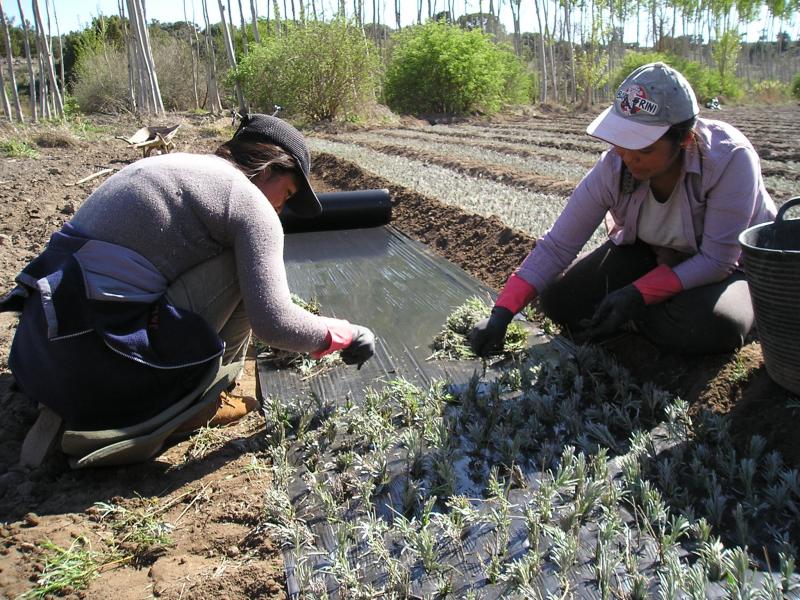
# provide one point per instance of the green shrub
(796, 86)
(705, 82)
(14, 148)
(441, 68)
(319, 71)
(101, 80)
(101, 76)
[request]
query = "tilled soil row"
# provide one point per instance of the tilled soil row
(516, 150)
(494, 172)
(589, 148)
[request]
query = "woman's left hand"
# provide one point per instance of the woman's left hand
(361, 348)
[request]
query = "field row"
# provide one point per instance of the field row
(528, 211)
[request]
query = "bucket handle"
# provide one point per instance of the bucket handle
(786, 206)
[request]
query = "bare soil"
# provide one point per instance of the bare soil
(215, 499)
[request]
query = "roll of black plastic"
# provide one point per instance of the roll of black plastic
(343, 210)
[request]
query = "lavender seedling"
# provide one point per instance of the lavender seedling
(695, 581)
(606, 561)
(670, 578)
(564, 551)
(740, 580)
(716, 559)
(520, 574)
(772, 466)
(670, 533)
(787, 566)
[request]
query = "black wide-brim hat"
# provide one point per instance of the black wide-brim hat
(274, 130)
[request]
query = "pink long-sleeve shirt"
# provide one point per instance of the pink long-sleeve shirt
(721, 191)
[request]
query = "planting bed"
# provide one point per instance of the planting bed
(208, 505)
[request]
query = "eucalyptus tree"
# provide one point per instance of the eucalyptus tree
(542, 54)
(46, 61)
(214, 102)
(254, 21)
(60, 50)
(143, 64)
(231, 55)
(4, 98)
(31, 78)
(132, 99)
(191, 36)
(10, 62)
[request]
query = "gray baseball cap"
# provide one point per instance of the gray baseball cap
(304, 202)
(650, 100)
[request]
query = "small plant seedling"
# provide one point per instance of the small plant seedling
(65, 568)
(137, 531)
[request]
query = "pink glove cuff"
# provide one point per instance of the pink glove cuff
(340, 334)
(658, 285)
(516, 294)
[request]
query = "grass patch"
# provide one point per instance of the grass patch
(138, 532)
(65, 569)
(14, 148)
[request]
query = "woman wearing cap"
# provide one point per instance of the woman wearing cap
(153, 288)
(675, 191)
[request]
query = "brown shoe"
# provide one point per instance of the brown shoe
(226, 410)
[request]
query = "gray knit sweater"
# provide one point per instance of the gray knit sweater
(178, 210)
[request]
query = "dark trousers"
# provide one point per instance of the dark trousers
(709, 319)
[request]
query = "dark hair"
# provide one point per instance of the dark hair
(677, 133)
(252, 156)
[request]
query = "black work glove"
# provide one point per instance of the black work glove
(616, 309)
(361, 348)
(488, 335)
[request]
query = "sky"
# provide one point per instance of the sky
(75, 15)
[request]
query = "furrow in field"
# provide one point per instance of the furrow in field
(573, 128)
(499, 172)
(555, 171)
(527, 211)
(480, 144)
(531, 139)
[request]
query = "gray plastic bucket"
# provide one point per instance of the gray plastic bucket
(771, 255)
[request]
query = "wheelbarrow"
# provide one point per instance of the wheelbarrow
(152, 138)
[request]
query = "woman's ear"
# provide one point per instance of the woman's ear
(688, 140)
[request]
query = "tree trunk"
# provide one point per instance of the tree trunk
(277, 9)
(47, 57)
(145, 57)
(397, 13)
(129, 49)
(214, 102)
(254, 14)
(571, 53)
(244, 29)
(60, 52)
(191, 49)
(515, 8)
(231, 56)
(12, 79)
(28, 57)
(543, 82)
(4, 98)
